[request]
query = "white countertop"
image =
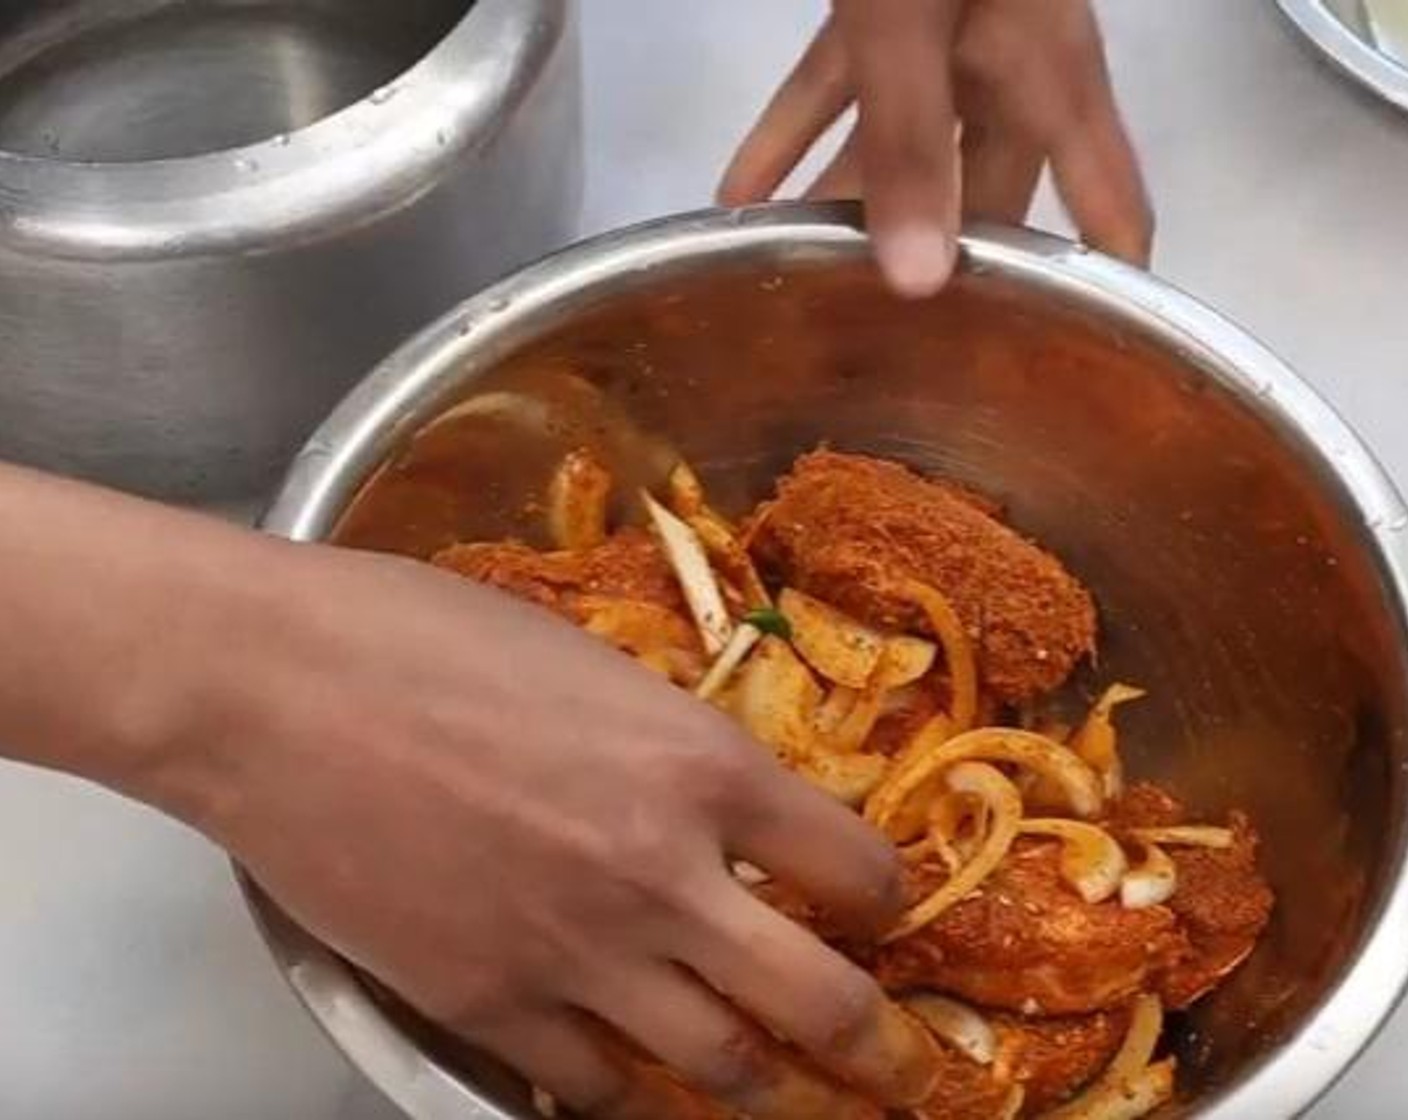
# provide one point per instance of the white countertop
(131, 984)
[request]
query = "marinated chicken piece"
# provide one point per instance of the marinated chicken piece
(629, 565)
(1054, 1059)
(843, 526)
(1222, 903)
(1025, 942)
(1050, 1060)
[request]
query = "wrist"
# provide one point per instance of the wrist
(187, 738)
(126, 622)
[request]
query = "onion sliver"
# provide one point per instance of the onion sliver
(1097, 742)
(847, 717)
(776, 699)
(691, 566)
(1186, 836)
(956, 1024)
(1151, 882)
(1012, 1106)
(739, 646)
(1122, 1086)
(685, 492)
(1005, 802)
(908, 659)
(957, 647)
(847, 777)
(729, 556)
(577, 500)
(1091, 859)
(1077, 782)
(835, 645)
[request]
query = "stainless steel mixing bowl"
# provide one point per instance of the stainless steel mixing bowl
(1247, 554)
(215, 215)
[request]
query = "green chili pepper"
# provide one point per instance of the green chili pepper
(770, 620)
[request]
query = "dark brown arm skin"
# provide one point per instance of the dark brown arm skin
(503, 819)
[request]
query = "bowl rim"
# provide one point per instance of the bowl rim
(1347, 52)
(418, 379)
(344, 169)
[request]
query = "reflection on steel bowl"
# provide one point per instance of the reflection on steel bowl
(1245, 551)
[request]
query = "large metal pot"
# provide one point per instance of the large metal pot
(1247, 553)
(216, 214)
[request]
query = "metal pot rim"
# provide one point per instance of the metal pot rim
(1347, 52)
(422, 376)
(289, 189)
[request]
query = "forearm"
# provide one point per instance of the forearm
(118, 615)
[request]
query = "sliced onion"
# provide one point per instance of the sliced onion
(776, 699)
(909, 659)
(988, 783)
(853, 714)
(958, 651)
(740, 645)
(1078, 784)
(577, 499)
(685, 492)
(844, 730)
(691, 566)
(1097, 742)
(1012, 1106)
(1130, 1087)
(835, 645)
(730, 557)
(1151, 882)
(1091, 859)
(956, 826)
(849, 778)
(1186, 836)
(956, 1024)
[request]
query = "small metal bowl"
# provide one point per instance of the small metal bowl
(1247, 553)
(216, 215)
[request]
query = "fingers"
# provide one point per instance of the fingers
(806, 992)
(900, 55)
(818, 846)
(715, 1049)
(1097, 175)
(565, 1054)
(816, 92)
(841, 178)
(1041, 85)
(1001, 170)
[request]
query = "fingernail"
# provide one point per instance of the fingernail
(907, 1064)
(917, 260)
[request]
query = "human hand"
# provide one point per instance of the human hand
(527, 837)
(961, 105)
